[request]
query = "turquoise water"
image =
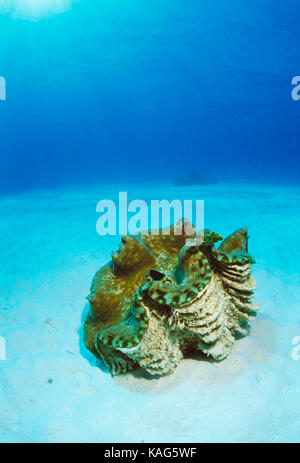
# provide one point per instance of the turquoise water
(103, 89)
(108, 96)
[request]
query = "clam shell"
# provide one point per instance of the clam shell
(158, 300)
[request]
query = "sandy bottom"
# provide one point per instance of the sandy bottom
(53, 390)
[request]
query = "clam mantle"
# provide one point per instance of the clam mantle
(159, 300)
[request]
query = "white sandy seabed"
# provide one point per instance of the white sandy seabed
(53, 390)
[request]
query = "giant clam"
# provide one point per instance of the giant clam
(159, 300)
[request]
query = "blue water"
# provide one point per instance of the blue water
(126, 91)
(105, 96)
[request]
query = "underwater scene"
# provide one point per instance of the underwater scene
(149, 221)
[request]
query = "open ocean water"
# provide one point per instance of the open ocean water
(195, 100)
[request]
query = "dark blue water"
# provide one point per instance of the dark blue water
(113, 90)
